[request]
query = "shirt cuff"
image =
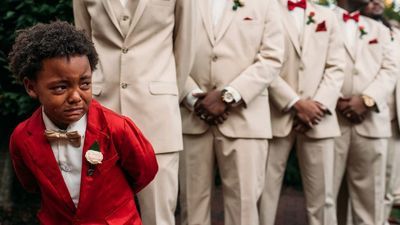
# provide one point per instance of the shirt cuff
(291, 104)
(236, 95)
(191, 100)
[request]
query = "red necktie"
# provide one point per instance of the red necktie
(301, 4)
(354, 16)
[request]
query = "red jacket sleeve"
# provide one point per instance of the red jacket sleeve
(22, 171)
(137, 156)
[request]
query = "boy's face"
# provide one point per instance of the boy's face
(63, 87)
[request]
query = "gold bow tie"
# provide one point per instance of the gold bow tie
(72, 137)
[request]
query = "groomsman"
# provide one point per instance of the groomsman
(364, 118)
(226, 112)
(303, 100)
(375, 10)
(146, 49)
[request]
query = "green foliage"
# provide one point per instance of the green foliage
(392, 13)
(15, 15)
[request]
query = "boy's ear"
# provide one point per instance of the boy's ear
(30, 87)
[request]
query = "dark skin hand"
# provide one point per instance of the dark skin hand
(210, 107)
(309, 112)
(353, 109)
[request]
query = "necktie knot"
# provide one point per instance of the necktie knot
(301, 4)
(353, 16)
(72, 137)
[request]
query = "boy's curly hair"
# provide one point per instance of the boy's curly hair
(45, 41)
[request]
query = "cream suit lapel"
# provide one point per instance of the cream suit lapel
(361, 40)
(226, 20)
(110, 12)
(206, 18)
(339, 12)
(290, 27)
(309, 29)
(138, 13)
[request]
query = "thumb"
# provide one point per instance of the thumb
(199, 95)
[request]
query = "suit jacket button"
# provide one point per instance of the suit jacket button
(124, 50)
(124, 85)
(214, 58)
(125, 18)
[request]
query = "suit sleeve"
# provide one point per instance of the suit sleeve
(82, 17)
(253, 80)
(137, 156)
(185, 30)
(383, 84)
(330, 86)
(281, 94)
(24, 174)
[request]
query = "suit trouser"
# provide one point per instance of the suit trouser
(158, 200)
(241, 164)
(392, 169)
(316, 165)
(361, 161)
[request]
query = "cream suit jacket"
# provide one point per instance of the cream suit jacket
(244, 51)
(313, 68)
(394, 98)
(138, 74)
(370, 70)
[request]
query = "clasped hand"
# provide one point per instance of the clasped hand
(210, 107)
(353, 109)
(308, 114)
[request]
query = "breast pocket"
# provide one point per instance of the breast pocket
(107, 164)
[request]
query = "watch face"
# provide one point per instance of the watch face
(227, 97)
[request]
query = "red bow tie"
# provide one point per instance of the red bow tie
(354, 16)
(301, 4)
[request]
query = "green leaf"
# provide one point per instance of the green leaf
(95, 146)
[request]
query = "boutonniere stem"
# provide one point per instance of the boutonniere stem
(362, 31)
(237, 4)
(310, 17)
(94, 157)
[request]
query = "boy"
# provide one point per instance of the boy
(86, 161)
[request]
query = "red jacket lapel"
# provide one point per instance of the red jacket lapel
(42, 154)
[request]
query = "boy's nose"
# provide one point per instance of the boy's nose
(74, 97)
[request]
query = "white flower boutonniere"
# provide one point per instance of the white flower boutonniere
(94, 157)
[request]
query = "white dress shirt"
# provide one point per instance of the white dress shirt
(124, 2)
(68, 157)
(298, 18)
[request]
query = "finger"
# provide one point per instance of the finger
(199, 95)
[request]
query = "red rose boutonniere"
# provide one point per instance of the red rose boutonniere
(94, 157)
(310, 18)
(237, 4)
(362, 31)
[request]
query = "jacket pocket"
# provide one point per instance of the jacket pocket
(163, 88)
(124, 214)
(108, 164)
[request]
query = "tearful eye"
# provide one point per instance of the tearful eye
(59, 89)
(86, 85)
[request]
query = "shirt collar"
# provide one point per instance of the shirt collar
(79, 125)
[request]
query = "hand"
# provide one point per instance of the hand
(309, 112)
(353, 109)
(299, 126)
(210, 107)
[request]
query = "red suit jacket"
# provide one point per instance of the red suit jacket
(106, 197)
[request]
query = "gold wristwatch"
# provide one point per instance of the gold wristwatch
(368, 101)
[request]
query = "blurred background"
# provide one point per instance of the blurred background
(17, 206)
